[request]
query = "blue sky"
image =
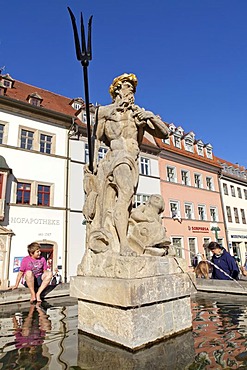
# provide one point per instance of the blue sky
(190, 57)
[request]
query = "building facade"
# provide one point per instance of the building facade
(190, 187)
(233, 182)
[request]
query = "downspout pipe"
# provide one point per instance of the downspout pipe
(223, 210)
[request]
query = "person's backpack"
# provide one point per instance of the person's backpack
(54, 281)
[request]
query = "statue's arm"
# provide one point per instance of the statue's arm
(154, 125)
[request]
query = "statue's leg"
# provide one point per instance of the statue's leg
(123, 179)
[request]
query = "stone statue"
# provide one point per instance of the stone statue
(110, 189)
(146, 234)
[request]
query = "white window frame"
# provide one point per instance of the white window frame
(145, 168)
(192, 253)
(189, 215)
(177, 141)
(209, 183)
(229, 214)
(140, 199)
(236, 215)
(203, 207)
(243, 216)
(174, 206)
(225, 189)
(199, 177)
(233, 192)
(179, 251)
(213, 214)
(187, 177)
(239, 191)
(170, 170)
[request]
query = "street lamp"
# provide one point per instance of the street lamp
(215, 229)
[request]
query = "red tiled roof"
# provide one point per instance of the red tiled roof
(51, 101)
(171, 148)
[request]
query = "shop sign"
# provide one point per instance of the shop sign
(199, 229)
(239, 236)
(35, 221)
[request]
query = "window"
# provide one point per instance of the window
(166, 141)
(140, 199)
(206, 242)
(229, 214)
(200, 149)
(235, 210)
(1, 133)
(45, 143)
(177, 243)
(225, 189)
(34, 101)
(27, 139)
(243, 216)
(7, 83)
(201, 213)
(43, 195)
(185, 177)
(232, 191)
(209, 182)
(188, 210)
(192, 249)
(174, 208)
(198, 180)
(101, 153)
(209, 152)
(213, 214)
(145, 166)
(245, 194)
(23, 193)
(177, 141)
(239, 192)
(171, 174)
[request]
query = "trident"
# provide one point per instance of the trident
(84, 55)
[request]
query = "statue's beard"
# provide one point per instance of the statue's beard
(126, 100)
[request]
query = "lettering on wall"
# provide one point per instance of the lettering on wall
(199, 229)
(35, 221)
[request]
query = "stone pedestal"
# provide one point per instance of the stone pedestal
(133, 302)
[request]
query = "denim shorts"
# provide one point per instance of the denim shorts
(37, 281)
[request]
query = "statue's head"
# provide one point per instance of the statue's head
(156, 201)
(118, 82)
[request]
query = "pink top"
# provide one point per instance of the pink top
(37, 266)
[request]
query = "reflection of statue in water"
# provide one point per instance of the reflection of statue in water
(146, 233)
(110, 190)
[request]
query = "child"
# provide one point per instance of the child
(34, 270)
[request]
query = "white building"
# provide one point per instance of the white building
(233, 182)
(40, 186)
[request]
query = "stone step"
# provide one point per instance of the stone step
(23, 294)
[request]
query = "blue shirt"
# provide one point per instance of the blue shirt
(226, 263)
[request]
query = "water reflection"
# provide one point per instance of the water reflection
(37, 337)
(45, 337)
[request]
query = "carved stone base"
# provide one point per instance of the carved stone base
(134, 311)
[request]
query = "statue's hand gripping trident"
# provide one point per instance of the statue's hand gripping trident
(84, 55)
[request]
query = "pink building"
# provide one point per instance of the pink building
(189, 176)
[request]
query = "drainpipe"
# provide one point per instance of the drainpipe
(66, 213)
(223, 210)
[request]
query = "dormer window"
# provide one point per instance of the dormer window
(6, 81)
(35, 99)
(3, 89)
(209, 151)
(77, 103)
(172, 127)
(177, 141)
(189, 142)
